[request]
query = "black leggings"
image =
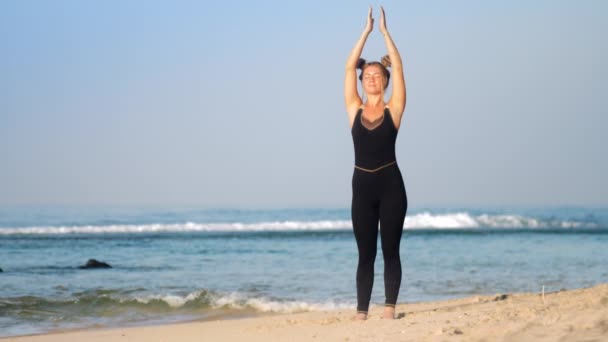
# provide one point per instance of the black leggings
(378, 195)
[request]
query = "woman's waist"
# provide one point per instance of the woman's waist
(368, 160)
(375, 167)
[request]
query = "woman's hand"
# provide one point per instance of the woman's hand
(383, 29)
(370, 21)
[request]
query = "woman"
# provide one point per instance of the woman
(377, 184)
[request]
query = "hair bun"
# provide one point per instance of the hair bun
(386, 61)
(360, 63)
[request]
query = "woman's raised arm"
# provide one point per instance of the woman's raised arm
(397, 101)
(351, 95)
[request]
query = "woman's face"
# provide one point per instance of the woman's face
(373, 80)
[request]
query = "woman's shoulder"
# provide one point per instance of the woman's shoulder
(395, 116)
(353, 112)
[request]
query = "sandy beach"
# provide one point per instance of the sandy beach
(568, 315)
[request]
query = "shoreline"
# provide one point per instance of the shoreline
(568, 315)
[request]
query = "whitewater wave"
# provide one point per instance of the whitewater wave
(32, 314)
(106, 302)
(424, 220)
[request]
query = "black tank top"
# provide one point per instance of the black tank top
(374, 146)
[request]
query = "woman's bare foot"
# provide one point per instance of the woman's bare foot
(389, 312)
(361, 316)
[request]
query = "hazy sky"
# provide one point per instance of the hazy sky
(240, 103)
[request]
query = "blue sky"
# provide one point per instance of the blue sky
(240, 104)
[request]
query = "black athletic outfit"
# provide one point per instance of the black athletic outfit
(378, 195)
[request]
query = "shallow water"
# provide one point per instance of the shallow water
(182, 264)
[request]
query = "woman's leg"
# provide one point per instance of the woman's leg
(365, 216)
(393, 207)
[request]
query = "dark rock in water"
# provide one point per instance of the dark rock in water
(1, 270)
(92, 263)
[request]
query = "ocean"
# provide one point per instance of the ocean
(181, 264)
